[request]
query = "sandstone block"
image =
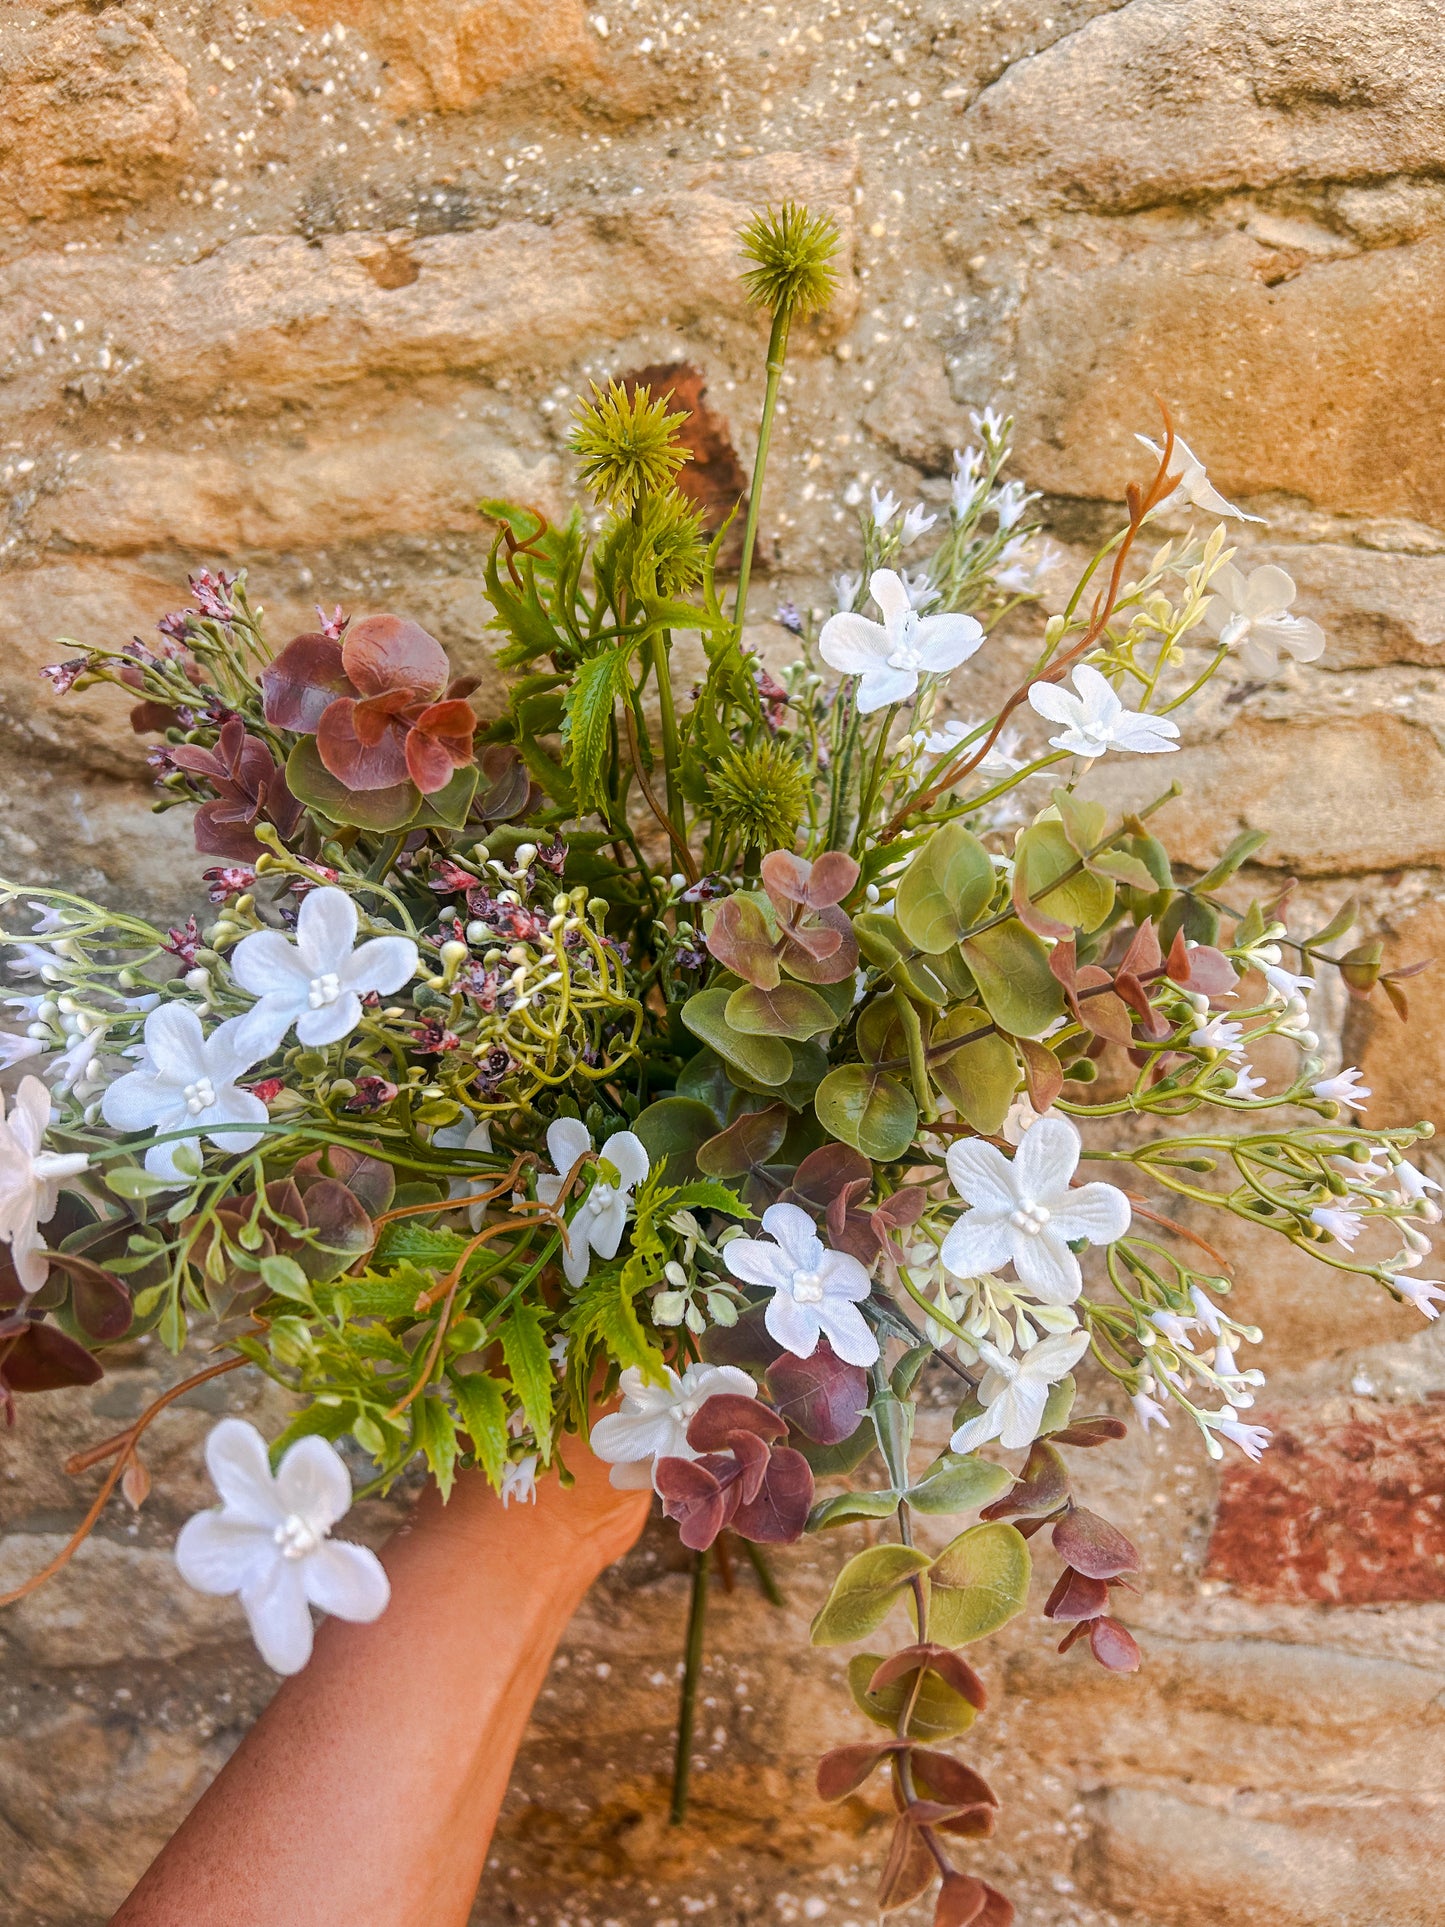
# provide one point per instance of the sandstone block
(92, 110)
(112, 1602)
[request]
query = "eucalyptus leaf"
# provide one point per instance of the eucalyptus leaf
(979, 1079)
(940, 1711)
(848, 1508)
(979, 1582)
(1043, 856)
(788, 1010)
(765, 1060)
(957, 1483)
(1011, 966)
(865, 1592)
(945, 887)
(871, 1110)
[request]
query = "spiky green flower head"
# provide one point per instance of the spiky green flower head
(626, 444)
(659, 547)
(794, 250)
(760, 795)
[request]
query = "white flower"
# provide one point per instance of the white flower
(1008, 503)
(651, 1422)
(882, 508)
(30, 1179)
(816, 1291)
(317, 983)
(1245, 1084)
(1423, 1293)
(187, 1081)
(1250, 613)
(967, 475)
(466, 1134)
(1195, 489)
(1095, 720)
(920, 588)
(1251, 1439)
(15, 1046)
(1175, 1328)
(1149, 1411)
(915, 523)
(1021, 1118)
(1024, 1210)
(1003, 759)
(845, 590)
(992, 426)
(1343, 1226)
(1206, 1311)
(1344, 1088)
(1287, 984)
(519, 1481)
(599, 1219)
(268, 1541)
(890, 656)
(1015, 1391)
(1218, 1033)
(1022, 565)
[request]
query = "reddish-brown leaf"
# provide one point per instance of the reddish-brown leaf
(1041, 1488)
(692, 1496)
(1093, 1546)
(909, 1871)
(743, 939)
(383, 654)
(1076, 1596)
(826, 1173)
(44, 1359)
(952, 1668)
(998, 1909)
(821, 1395)
(961, 1899)
(938, 1776)
(1114, 1646)
(728, 1412)
(1090, 1431)
(846, 1768)
(779, 1514)
(1043, 1072)
(752, 1455)
(302, 683)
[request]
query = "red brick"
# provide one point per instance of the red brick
(1341, 1511)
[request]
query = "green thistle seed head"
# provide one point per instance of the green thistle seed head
(626, 445)
(760, 795)
(794, 252)
(661, 544)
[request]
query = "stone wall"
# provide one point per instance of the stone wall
(290, 287)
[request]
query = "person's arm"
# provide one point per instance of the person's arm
(366, 1794)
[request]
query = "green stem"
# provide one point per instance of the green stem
(777, 354)
(758, 1560)
(691, 1676)
(875, 777)
(667, 712)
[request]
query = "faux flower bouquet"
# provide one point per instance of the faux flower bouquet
(738, 1047)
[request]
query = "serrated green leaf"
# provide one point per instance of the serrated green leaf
(482, 1402)
(524, 1346)
(588, 722)
(434, 1434)
(865, 1592)
(945, 887)
(979, 1582)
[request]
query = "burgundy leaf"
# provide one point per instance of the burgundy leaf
(1143, 954)
(779, 1513)
(693, 1497)
(100, 1301)
(303, 681)
(344, 1231)
(1202, 969)
(43, 1359)
(1076, 1596)
(1090, 1431)
(504, 786)
(846, 1768)
(820, 947)
(385, 654)
(826, 1173)
(1042, 1487)
(1093, 1546)
(952, 1668)
(728, 1412)
(747, 1344)
(1114, 1645)
(833, 876)
(938, 1776)
(909, 1870)
(822, 1396)
(961, 1899)
(751, 1454)
(998, 1909)
(370, 1179)
(785, 878)
(356, 752)
(743, 940)
(750, 1140)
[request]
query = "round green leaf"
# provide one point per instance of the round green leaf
(788, 1010)
(1042, 855)
(1011, 968)
(947, 885)
(979, 1079)
(939, 1712)
(766, 1060)
(868, 1109)
(671, 1130)
(955, 1484)
(311, 781)
(847, 1508)
(979, 1582)
(864, 1592)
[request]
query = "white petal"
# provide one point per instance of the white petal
(567, 1140)
(240, 1470)
(982, 1174)
(627, 1154)
(174, 1043)
(280, 1617)
(1022, 1407)
(880, 687)
(233, 1047)
(847, 1331)
(218, 1554)
(267, 964)
(605, 1226)
(758, 1263)
(978, 1431)
(794, 1326)
(160, 1160)
(1054, 1358)
(1096, 1211)
(1047, 1266)
(943, 642)
(1101, 700)
(346, 1580)
(1270, 590)
(383, 965)
(1047, 1159)
(710, 1379)
(232, 1107)
(325, 930)
(844, 1276)
(1144, 735)
(577, 1249)
(633, 1476)
(30, 1115)
(313, 1482)
(979, 1242)
(796, 1232)
(331, 1022)
(1055, 704)
(852, 644)
(620, 1439)
(887, 590)
(140, 1101)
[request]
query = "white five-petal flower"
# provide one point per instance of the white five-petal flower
(599, 1219)
(187, 1081)
(1014, 1391)
(889, 657)
(318, 982)
(30, 1179)
(1096, 720)
(651, 1422)
(269, 1541)
(1194, 490)
(816, 1292)
(1025, 1211)
(1250, 613)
